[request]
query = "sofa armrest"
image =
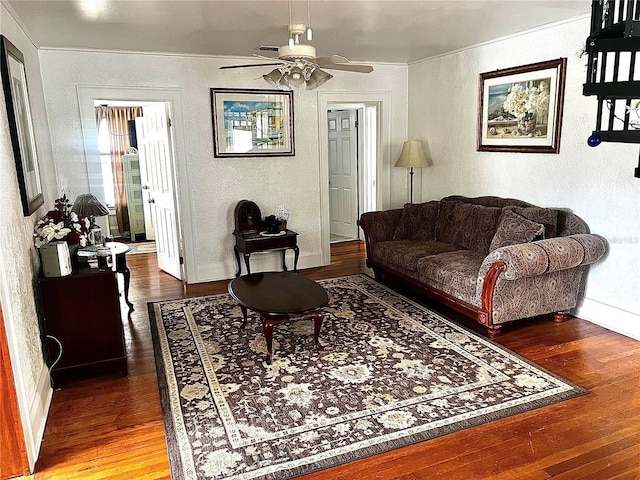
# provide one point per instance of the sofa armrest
(530, 279)
(543, 256)
(379, 226)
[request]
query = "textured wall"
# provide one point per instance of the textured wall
(596, 183)
(19, 262)
(216, 185)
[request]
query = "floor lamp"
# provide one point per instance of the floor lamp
(412, 156)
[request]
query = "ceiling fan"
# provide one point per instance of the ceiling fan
(297, 63)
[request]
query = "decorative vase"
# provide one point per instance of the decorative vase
(526, 126)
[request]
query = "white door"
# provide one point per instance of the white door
(343, 173)
(154, 148)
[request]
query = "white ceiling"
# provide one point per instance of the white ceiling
(362, 30)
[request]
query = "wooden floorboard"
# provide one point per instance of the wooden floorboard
(111, 427)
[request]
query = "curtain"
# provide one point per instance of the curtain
(117, 118)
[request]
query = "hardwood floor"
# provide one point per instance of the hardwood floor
(111, 427)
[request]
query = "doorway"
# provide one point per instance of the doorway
(374, 170)
(344, 167)
(352, 154)
(154, 169)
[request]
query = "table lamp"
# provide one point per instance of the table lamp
(412, 156)
(87, 205)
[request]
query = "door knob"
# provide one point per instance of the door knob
(145, 187)
(151, 200)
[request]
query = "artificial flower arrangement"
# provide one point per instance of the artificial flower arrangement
(277, 223)
(61, 224)
(282, 213)
(526, 103)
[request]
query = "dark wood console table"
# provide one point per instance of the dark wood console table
(248, 243)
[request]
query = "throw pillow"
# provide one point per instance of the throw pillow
(445, 227)
(417, 222)
(474, 226)
(514, 229)
(546, 216)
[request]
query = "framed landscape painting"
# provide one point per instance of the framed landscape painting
(14, 84)
(520, 108)
(252, 123)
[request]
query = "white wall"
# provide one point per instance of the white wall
(216, 185)
(596, 183)
(19, 263)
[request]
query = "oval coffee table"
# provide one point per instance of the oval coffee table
(276, 297)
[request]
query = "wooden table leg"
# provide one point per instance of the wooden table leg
(237, 254)
(244, 315)
(296, 251)
(284, 263)
(121, 267)
(246, 262)
(267, 329)
(317, 325)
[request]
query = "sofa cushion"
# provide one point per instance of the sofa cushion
(514, 229)
(403, 255)
(467, 225)
(455, 273)
(417, 222)
(546, 216)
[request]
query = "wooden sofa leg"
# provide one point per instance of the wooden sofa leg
(494, 330)
(560, 317)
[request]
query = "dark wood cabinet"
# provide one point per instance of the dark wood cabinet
(82, 311)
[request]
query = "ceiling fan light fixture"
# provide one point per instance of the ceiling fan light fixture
(298, 62)
(318, 77)
(295, 77)
(274, 78)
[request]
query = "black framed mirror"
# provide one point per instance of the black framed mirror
(16, 94)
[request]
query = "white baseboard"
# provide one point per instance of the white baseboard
(38, 413)
(612, 318)
(260, 262)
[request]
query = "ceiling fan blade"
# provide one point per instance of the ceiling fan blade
(250, 65)
(348, 67)
(271, 58)
(267, 48)
(333, 59)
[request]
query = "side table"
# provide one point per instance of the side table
(119, 251)
(248, 243)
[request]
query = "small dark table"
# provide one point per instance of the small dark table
(119, 260)
(277, 296)
(248, 243)
(119, 252)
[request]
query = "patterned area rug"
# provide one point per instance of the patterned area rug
(391, 373)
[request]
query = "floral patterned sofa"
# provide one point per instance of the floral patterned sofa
(493, 259)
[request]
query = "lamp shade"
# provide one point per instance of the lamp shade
(412, 155)
(318, 77)
(87, 205)
(273, 78)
